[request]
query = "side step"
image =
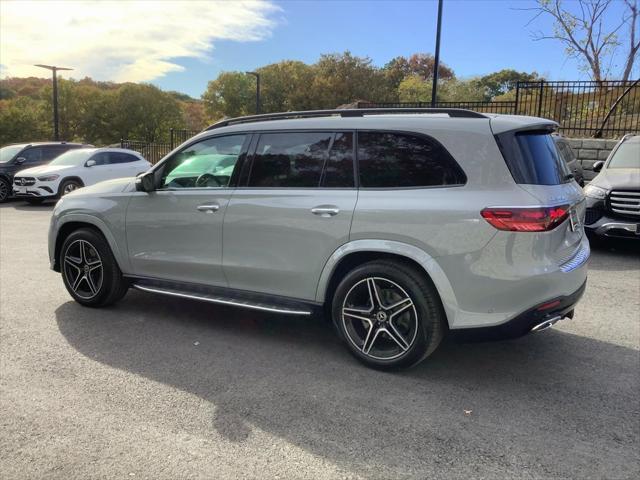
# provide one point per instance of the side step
(223, 296)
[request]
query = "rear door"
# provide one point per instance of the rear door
(292, 211)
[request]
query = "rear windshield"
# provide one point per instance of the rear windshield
(532, 158)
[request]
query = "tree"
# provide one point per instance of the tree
(232, 94)
(414, 89)
(585, 36)
(419, 64)
(499, 83)
(285, 86)
(22, 119)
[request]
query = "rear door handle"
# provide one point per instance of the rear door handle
(325, 210)
(208, 207)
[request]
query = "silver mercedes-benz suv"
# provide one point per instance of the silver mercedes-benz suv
(401, 225)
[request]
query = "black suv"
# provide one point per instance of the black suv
(19, 156)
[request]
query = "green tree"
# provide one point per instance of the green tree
(499, 83)
(421, 65)
(285, 86)
(414, 89)
(232, 94)
(23, 119)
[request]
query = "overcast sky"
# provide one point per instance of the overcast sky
(180, 45)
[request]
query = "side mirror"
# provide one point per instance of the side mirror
(20, 160)
(145, 182)
(90, 163)
(598, 166)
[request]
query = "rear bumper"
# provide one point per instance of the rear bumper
(522, 324)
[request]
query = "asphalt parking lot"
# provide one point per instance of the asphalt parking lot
(165, 388)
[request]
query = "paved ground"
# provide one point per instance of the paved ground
(163, 388)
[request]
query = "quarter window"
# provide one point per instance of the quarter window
(208, 163)
(396, 160)
(293, 160)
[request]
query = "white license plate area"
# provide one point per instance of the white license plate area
(20, 189)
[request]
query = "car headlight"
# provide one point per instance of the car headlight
(595, 192)
(48, 178)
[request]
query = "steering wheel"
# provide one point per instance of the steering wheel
(204, 179)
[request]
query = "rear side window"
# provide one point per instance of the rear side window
(396, 160)
(566, 152)
(49, 153)
(116, 157)
(293, 160)
(532, 158)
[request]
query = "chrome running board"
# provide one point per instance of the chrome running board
(236, 300)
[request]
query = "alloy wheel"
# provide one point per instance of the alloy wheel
(4, 191)
(69, 187)
(379, 318)
(83, 269)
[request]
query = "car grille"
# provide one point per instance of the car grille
(592, 216)
(625, 202)
(24, 181)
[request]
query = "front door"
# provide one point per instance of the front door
(175, 232)
(291, 214)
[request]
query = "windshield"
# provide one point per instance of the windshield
(72, 157)
(627, 155)
(8, 152)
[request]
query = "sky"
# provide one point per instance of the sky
(181, 45)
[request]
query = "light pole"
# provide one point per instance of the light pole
(56, 135)
(257, 75)
(436, 63)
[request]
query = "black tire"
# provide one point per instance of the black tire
(419, 324)
(97, 290)
(68, 186)
(34, 201)
(5, 190)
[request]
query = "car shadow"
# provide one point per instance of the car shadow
(614, 254)
(550, 402)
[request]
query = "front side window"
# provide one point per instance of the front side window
(102, 158)
(208, 163)
(32, 155)
(397, 160)
(290, 160)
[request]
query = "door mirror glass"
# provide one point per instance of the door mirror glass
(20, 160)
(90, 163)
(145, 182)
(598, 166)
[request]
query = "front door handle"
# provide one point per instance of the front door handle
(325, 210)
(208, 207)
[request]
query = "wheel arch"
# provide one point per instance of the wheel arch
(70, 224)
(75, 178)
(355, 253)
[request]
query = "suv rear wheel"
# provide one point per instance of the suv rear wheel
(89, 270)
(5, 190)
(388, 314)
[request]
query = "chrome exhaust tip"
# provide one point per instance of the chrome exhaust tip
(548, 323)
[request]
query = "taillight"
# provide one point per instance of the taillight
(526, 219)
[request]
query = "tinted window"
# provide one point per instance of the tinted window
(565, 151)
(102, 158)
(32, 155)
(208, 163)
(49, 153)
(338, 170)
(388, 160)
(627, 155)
(117, 157)
(533, 159)
(292, 160)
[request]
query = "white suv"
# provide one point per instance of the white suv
(75, 169)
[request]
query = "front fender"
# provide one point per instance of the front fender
(423, 259)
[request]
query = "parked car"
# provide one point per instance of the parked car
(568, 155)
(20, 155)
(75, 169)
(401, 226)
(613, 196)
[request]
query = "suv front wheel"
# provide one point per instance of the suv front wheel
(388, 314)
(89, 270)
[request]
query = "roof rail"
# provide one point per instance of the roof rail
(345, 112)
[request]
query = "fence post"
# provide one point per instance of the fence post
(540, 98)
(515, 107)
(121, 142)
(171, 138)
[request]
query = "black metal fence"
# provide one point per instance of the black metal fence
(177, 136)
(582, 108)
(152, 151)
